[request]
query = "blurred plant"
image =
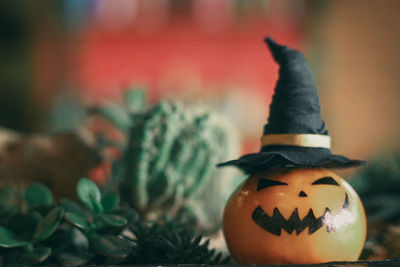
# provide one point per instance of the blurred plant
(167, 167)
(30, 229)
(392, 242)
(170, 158)
(105, 233)
(110, 122)
(8, 202)
(34, 230)
(378, 185)
(109, 125)
(170, 242)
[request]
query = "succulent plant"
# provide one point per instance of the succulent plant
(28, 228)
(8, 202)
(102, 224)
(40, 232)
(168, 166)
(171, 242)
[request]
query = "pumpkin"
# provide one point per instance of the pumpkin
(294, 216)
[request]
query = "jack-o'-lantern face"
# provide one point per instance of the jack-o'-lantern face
(294, 216)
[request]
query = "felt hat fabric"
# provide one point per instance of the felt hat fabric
(295, 135)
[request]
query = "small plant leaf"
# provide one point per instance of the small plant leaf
(7, 192)
(116, 115)
(10, 240)
(6, 209)
(111, 246)
(130, 214)
(43, 210)
(89, 194)
(67, 239)
(113, 220)
(37, 256)
(73, 259)
(110, 201)
(24, 224)
(49, 224)
(135, 99)
(38, 194)
(77, 220)
(97, 207)
(72, 206)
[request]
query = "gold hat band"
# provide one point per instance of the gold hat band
(305, 140)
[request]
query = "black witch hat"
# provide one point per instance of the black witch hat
(295, 136)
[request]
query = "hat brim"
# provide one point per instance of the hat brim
(274, 157)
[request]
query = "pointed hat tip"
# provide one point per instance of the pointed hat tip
(275, 48)
(269, 40)
(271, 43)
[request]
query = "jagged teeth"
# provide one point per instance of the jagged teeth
(277, 222)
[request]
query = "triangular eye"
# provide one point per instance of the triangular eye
(264, 183)
(326, 180)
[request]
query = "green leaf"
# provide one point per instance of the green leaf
(72, 206)
(73, 259)
(10, 240)
(111, 246)
(89, 194)
(135, 99)
(77, 220)
(116, 115)
(67, 238)
(97, 207)
(7, 192)
(36, 256)
(24, 224)
(110, 201)
(43, 210)
(49, 224)
(38, 194)
(130, 214)
(6, 209)
(114, 220)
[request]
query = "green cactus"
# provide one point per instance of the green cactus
(171, 157)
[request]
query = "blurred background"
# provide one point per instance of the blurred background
(205, 51)
(65, 62)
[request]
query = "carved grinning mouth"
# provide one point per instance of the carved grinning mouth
(277, 222)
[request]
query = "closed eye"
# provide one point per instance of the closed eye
(264, 183)
(326, 180)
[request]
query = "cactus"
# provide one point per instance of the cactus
(171, 157)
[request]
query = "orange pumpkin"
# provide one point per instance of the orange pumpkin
(295, 216)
